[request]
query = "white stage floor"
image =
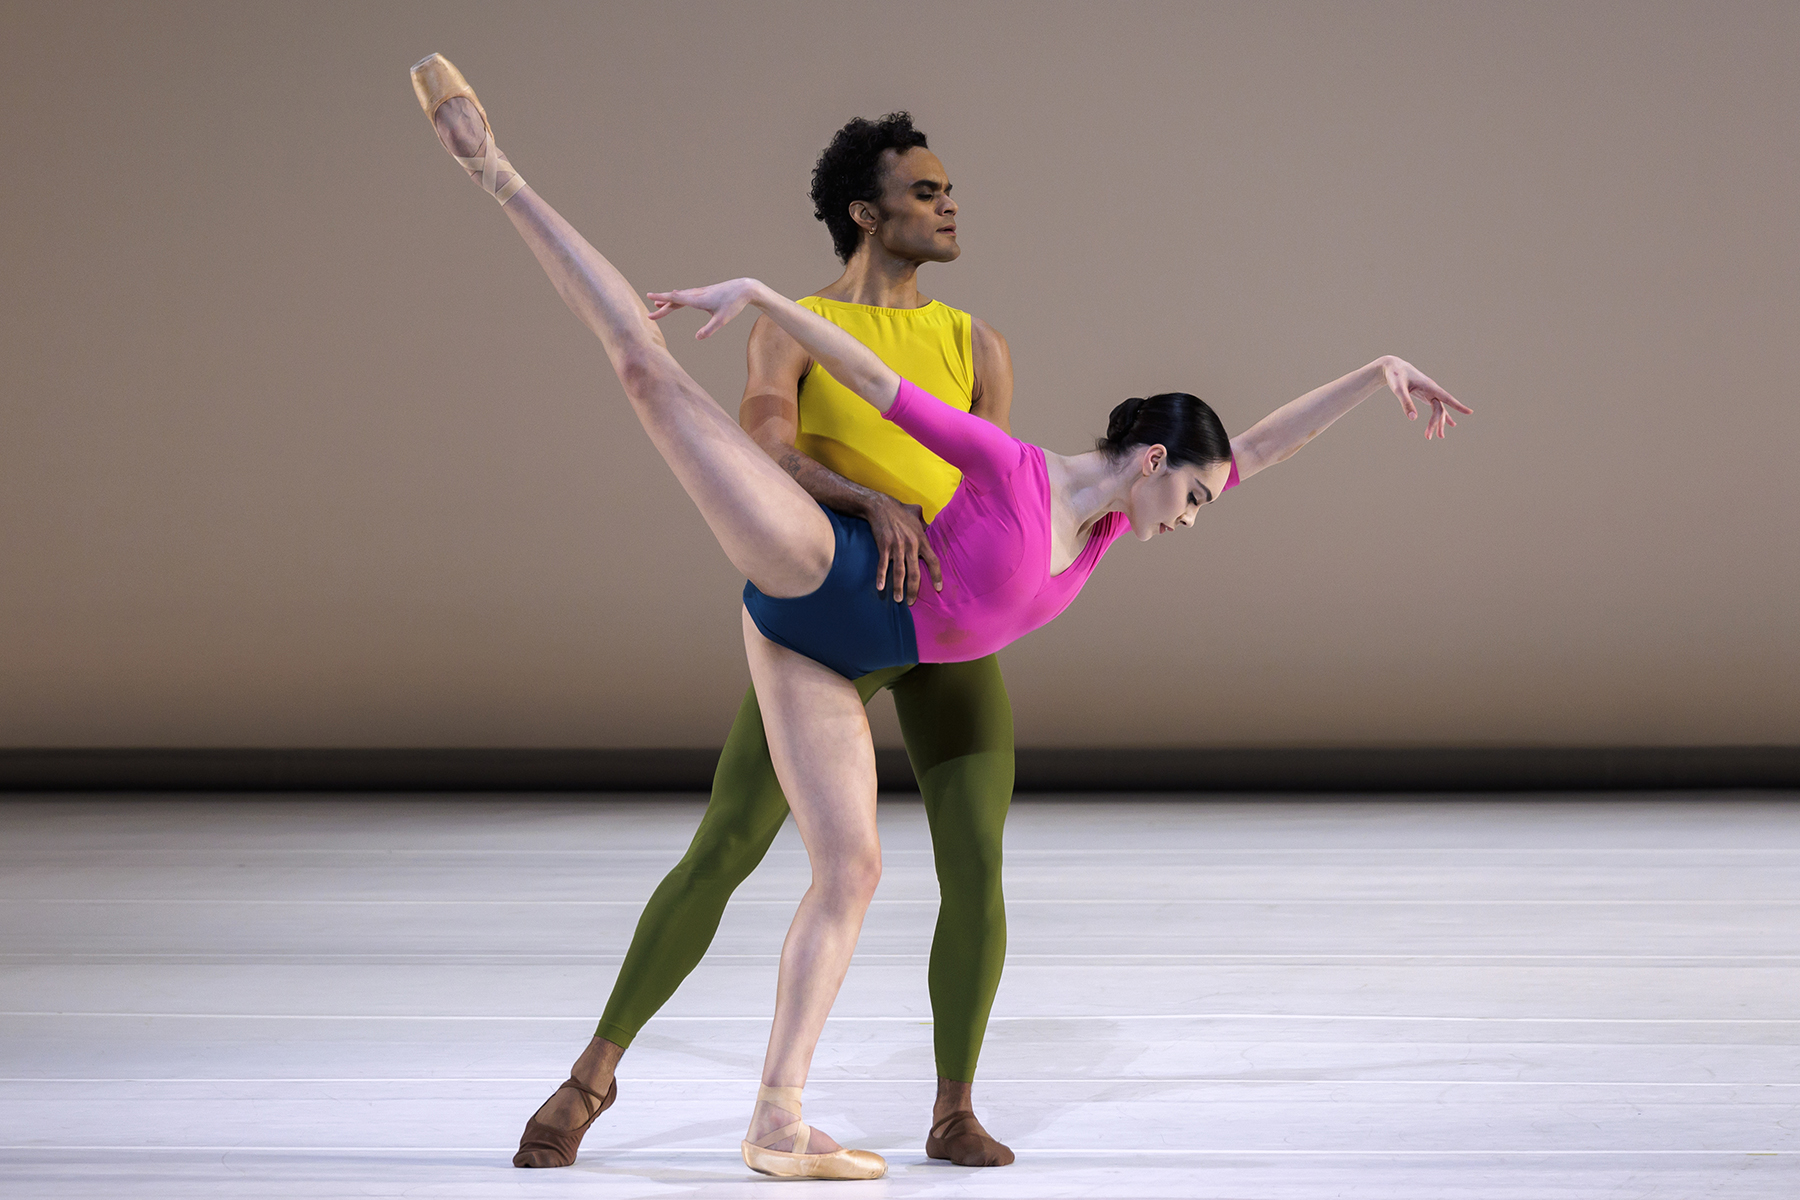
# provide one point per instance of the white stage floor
(1322, 998)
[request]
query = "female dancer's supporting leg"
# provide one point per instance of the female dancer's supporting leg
(778, 537)
(820, 745)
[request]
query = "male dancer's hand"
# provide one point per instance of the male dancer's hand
(900, 541)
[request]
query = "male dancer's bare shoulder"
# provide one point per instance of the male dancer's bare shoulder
(993, 374)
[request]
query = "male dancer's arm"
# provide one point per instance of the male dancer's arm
(770, 414)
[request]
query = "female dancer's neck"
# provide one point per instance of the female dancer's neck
(1087, 486)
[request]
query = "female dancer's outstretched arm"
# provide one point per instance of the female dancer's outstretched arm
(1280, 434)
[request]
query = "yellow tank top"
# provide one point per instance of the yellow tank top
(930, 346)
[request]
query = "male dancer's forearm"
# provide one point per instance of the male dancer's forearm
(821, 482)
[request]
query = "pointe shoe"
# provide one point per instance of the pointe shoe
(958, 1138)
(797, 1163)
(435, 79)
(562, 1142)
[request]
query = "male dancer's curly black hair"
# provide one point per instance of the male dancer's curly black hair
(850, 169)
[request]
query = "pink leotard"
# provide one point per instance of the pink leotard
(993, 538)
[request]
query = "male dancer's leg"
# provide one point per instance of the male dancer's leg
(678, 924)
(957, 721)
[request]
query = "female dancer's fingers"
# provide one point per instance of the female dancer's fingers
(1407, 382)
(1431, 386)
(1398, 384)
(721, 316)
(668, 302)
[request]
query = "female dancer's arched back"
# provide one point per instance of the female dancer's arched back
(1023, 533)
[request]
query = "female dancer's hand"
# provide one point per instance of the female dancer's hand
(723, 300)
(1408, 382)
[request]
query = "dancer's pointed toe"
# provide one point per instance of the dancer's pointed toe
(436, 82)
(838, 1164)
(435, 79)
(797, 1163)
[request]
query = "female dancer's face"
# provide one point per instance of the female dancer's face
(1164, 498)
(917, 217)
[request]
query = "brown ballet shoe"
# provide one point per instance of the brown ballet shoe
(435, 79)
(958, 1138)
(562, 1142)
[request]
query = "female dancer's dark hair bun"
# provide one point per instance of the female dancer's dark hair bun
(1184, 425)
(1124, 416)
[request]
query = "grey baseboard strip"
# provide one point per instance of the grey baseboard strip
(1449, 769)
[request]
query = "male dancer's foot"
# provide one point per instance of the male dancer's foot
(956, 1135)
(569, 1109)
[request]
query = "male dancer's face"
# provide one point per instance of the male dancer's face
(917, 216)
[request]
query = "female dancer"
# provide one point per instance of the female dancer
(1022, 534)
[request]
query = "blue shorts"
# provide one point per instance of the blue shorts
(845, 623)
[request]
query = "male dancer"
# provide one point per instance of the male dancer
(885, 198)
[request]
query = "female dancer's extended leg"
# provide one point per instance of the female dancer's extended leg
(771, 530)
(777, 536)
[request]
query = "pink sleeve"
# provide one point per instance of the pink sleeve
(981, 450)
(1231, 480)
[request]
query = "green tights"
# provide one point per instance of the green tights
(957, 722)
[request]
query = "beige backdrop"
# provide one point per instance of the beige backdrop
(297, 447)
